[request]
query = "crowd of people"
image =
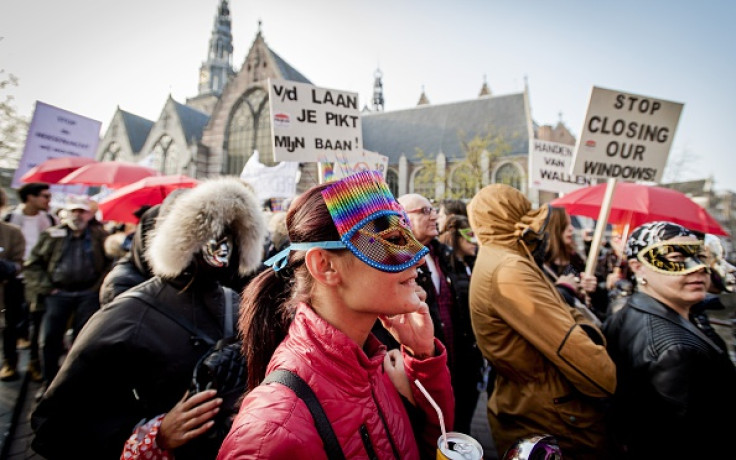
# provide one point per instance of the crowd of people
(363, 326)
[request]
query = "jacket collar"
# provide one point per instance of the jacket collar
(647, 304)
(329, 351)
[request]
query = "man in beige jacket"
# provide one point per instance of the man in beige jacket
(553, 371)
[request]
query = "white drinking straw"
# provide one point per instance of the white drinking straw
(437, 408)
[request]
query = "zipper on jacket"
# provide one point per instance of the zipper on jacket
(385, 427)
(367, 442)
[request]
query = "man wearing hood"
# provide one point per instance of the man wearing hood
(553, 371)
(122, 391)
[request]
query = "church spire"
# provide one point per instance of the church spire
(218, 68)
(378, 91)
(485, 90)
(423, 100)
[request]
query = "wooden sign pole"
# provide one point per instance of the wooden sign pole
(600, 227)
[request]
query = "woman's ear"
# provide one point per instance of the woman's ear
(322, 265)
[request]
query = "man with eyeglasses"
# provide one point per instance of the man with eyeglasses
(451, 323)
(33, 217)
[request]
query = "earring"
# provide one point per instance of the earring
(641, 280)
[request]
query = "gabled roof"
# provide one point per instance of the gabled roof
(436, 128)
(288, 72)
(137, 129)
(192, 121)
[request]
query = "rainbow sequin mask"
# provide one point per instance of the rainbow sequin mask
(371, 224)
(689, 257)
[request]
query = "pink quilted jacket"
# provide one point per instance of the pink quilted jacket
(360, 401)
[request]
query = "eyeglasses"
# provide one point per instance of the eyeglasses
(426, 210)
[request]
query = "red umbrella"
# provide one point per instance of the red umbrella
(636, 204)
(121, 204)
(113, 174)
(53, 170)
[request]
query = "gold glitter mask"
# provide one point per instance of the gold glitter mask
(674, 259)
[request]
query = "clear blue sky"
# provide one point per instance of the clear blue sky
(89, 56)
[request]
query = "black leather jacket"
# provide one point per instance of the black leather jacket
(130, 363)
(676, 393)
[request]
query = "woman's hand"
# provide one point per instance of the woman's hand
(190, 418)
(415, 330)
(589, 283)
(572, 281)
(393, 365)
(612, 277)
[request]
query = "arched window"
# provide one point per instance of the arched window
(392, 179)
(111, 152)
(462, 182)
(423, 184)
(263, 140)
(171, 164)
(248, 129)
(509, 174)
(164, 155)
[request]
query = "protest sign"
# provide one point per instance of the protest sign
(625, 136)
(55, 133)
(549, 166)
(313, 124)
(277, 181)
(366, 161)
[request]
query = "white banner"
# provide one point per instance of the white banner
(55, 133)
(367, 161)
(626, 136)
(271, 181)
(313, 124)
(549, 166)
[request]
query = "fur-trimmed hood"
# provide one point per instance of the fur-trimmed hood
(205, 212)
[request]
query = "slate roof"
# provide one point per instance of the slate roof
(192, 121)
(137, 129)
(435, 128)
(287, 71)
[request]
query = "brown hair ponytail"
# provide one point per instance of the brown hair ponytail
(270, 299)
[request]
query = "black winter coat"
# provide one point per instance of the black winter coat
(676, 394)
(132, 269)
(130, 363)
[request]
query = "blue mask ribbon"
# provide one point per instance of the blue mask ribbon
(281, 259)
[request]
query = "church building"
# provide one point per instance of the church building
(216, 131)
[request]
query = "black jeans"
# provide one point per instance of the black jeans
(60, 308)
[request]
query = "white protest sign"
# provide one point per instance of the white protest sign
(277, 181)
(313, 124)
(367, 161)
(549, 166)
(55, 133)
(626, 136)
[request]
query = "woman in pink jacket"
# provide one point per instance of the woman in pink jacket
(352, 260)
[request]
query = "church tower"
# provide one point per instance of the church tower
(378, 102)
(218, 68)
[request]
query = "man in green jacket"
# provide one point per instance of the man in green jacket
(65, 270)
